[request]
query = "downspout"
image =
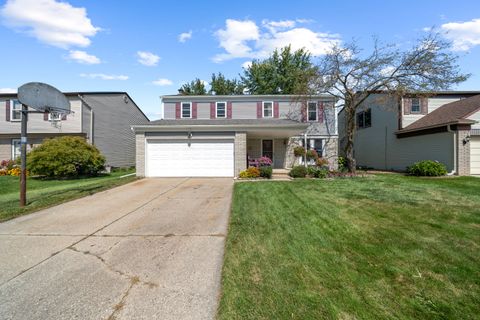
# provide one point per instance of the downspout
(454, 171)
(91, 118)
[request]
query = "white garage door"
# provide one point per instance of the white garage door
(205, 158)
(475, 155)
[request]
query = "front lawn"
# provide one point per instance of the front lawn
(379, 247)
(46, 193)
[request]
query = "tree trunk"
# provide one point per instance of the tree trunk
(349, 136)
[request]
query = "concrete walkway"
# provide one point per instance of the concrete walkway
(152, 249)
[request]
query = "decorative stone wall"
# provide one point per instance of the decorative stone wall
(240, 152)
(140, 154)
(463, 153)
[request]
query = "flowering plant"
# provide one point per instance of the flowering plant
(264, 161)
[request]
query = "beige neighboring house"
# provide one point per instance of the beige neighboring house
(395, 132)
(219, 136)
(103, 118)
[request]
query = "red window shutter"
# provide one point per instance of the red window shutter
(303, 112)
(424, 105)
(407, 105)
(229, 110)
(194, 110)
(45, 116)
(7, 108)
(212, 110)
(259, 109)
(276, 111)
(321, 109)
(177, 110)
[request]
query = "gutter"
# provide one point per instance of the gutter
(460, 121)
(216, 127)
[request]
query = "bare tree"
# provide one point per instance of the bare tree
(352, 76)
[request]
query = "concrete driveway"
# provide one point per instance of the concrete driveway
(152, 249)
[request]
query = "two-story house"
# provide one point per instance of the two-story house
(394, 132)
(103, 118)
(217, 135)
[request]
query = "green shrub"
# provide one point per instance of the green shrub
(312, 154)
(298, 172)
(65, 157)
(250, 172)
(342, 164)
(317, 172)
(266, 172)
(427, 168)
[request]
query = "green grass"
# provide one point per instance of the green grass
(379, 247)
(46, 193)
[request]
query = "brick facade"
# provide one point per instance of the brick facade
(140, 152)
(463, 153)
(240, 152)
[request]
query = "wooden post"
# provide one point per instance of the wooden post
(23, 157)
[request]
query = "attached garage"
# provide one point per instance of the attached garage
(475, 155)
(189, 158)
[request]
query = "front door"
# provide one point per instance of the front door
(267, 149)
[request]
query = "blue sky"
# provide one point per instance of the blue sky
(149, 48)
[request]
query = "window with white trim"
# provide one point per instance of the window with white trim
(312, 111)
(15, 110)
(186, 109)
(267, 109)
(364, 119)
(221, 110)
(415, 108)
(16, 148)
(54, 116)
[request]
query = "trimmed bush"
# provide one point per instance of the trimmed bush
(427, 168)
(317, 172)
(65, 157)
(266, 172)
(249, 173)
(298, 172)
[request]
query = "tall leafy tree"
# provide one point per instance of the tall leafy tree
(351, 75)
(195, 87)
(284, 72)
(220, 85)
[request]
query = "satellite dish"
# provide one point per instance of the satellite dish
(43, 97)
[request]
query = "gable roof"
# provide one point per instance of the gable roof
(450, 113)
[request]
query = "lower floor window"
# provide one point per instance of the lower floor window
(315, 144)
(16, 148)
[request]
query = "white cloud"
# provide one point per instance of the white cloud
(103, 76)
(246, 64)
(244, 39)
(183, 37)
(464, 35)
(83, 57)
(163, 82)
(235, 37)
(8, 90)
(55, 23)
(147, 58)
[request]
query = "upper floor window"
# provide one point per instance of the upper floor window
(186, 109)
(364, 119)
(267, 109)
(221, 110)
(312, 111)
(15, 110)
(415, 108)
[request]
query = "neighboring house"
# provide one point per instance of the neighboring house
(218, 135)
(395, 132)
(103, 118)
